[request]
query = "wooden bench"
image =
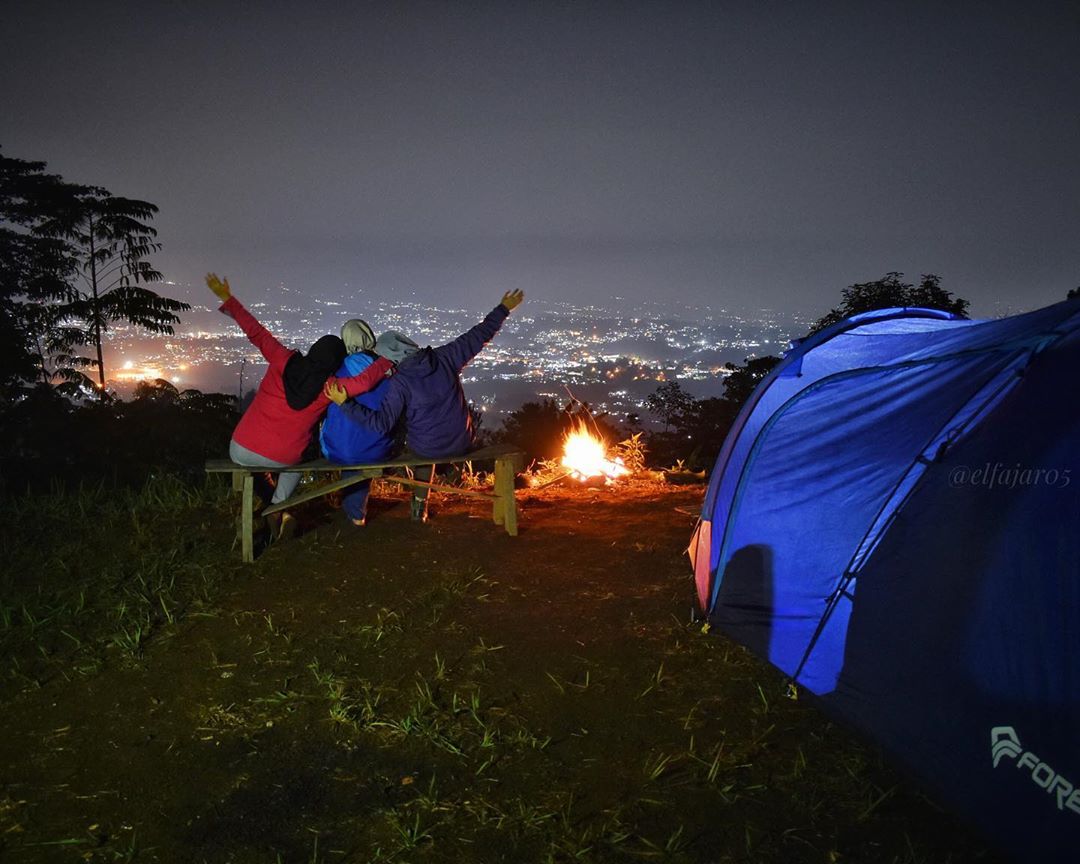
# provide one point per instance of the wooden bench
(508, 460)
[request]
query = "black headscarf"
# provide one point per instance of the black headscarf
(304, 376)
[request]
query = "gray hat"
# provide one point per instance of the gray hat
(395, 346)
(357, 336)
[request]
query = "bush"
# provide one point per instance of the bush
(52, 441)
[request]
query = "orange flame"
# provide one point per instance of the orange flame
(584, 456)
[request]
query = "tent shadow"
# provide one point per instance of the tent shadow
(744, 603)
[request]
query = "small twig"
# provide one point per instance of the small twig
(562, 476)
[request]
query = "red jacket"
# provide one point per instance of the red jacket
(270, 427)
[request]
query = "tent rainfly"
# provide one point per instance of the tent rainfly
(894, 522)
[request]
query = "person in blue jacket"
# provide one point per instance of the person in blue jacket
(427, 390)
(350, 443)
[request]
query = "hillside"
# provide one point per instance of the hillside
(438, 692)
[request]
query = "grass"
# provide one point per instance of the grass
(432, 705)
(95, 572)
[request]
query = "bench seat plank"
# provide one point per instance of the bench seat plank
(508, 460)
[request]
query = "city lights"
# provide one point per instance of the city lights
(608, 357)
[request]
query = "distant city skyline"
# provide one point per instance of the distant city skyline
(743, 155)
(610, 358)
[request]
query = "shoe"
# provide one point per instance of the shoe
(274, 524)
(359, 523)
(281, 525)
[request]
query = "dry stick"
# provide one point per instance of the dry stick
(562, 476)
(585, 407)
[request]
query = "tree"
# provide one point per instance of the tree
(890, 291)
(108, 243)
(537, 428)
(669, 402)
(741, 380)
(34, 272)
(158, 390)
(540, 428)
(1074, 293)
(73, 260)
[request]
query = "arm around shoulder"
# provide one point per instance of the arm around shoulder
(367, 379)
(385, 418)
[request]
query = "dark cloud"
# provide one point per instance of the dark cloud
(741, 154)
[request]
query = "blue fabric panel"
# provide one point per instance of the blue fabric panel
(882, 337)
(968, 418)
(967, 620)
(961, 629)
(344, 441)
(821, 473)
(873, 342)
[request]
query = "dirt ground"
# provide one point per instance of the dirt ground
(445, 692)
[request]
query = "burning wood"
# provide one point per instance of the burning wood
(585, 456)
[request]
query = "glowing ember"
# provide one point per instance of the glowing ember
(584, 456)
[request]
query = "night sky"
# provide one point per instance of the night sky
(737, 154)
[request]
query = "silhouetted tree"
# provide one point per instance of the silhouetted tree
(73, 260)
(158, 390)
(1073, 294)
(668, 402)
(34, 272)
(741, 380)
(539, 428)
(890, 291)
(109, 239)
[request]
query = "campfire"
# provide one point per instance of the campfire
(585, 456)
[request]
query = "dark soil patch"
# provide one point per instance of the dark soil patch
(444, 692)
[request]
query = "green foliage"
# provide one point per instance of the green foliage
(96, 567)
(889, 291)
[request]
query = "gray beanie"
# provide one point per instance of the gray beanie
(357, 336)
(395, 346)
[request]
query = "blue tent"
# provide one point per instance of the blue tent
(894, 522)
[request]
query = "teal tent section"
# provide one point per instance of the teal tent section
(894, 522)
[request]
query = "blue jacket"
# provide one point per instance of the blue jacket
(426, 388)
(350, 443)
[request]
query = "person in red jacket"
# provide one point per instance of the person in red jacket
(275, 429)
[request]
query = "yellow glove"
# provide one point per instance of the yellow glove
(219, 286)
(335, 392)
(512, 299)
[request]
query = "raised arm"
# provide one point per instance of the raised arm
(259, 336)
(468, 345)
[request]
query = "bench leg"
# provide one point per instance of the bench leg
(247, 518)
(238, 480)
(504, 511)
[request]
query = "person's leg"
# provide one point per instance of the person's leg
(354, 501)
(419, 510)
(286, 485)
(286, 482)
